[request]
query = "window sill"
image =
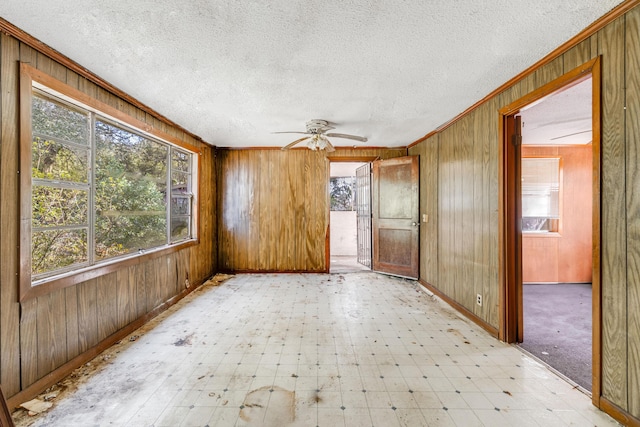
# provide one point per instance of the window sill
(70, 278)
(543, 234)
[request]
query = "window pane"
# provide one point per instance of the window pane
(58, 162)
(540, 193)
(131, 175)
(181, 206)
(121, 233)
(180, 161)
(179, 228)
(180, 183)
(57, 120)
(56, 249)
(51, 206)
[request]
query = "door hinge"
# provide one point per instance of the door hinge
(516, 140)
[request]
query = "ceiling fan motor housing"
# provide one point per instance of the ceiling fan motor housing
(317, 126)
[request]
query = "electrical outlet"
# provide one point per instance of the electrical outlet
(425, 218)
(479, 300)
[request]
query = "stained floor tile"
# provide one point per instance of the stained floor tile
(357, 349)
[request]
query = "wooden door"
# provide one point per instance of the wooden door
(363, 213)
(395, 216)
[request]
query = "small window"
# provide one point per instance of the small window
(540, 194)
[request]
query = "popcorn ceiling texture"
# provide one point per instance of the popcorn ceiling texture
(234, 71)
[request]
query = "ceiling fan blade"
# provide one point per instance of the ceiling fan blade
(303, 133)
(286, 147)
(344, 135)
(329, 148)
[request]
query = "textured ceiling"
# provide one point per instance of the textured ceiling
(234, 71)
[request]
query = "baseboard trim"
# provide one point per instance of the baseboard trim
(468, 314)
(60, 373)
(618, 413)
(241, 271)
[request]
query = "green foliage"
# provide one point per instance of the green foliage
(342, 191)
(130, 189)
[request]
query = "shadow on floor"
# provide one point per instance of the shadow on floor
(557, 328)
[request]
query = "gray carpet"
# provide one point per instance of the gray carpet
(557, 328)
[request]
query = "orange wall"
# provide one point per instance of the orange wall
(565, 256)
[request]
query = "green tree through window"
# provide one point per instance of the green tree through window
(100, 189)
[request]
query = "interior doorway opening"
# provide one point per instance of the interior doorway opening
(556, 199)
(343, 218)
(551, 234)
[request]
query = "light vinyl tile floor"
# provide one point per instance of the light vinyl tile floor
(358, 349)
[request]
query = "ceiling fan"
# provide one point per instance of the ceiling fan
(317, 129)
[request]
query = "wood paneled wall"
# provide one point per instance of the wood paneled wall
(273, 207)
(45, 333)
(459, 192)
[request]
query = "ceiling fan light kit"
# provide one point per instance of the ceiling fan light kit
(318, 140)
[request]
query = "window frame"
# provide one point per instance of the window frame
(32, 79)
(558, 231)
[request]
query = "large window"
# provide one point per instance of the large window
(540, 194)
(101, 189)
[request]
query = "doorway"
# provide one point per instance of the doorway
(343, 218)
(550, 238)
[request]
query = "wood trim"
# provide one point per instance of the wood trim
(466, 312)
(369, 147)
(101, 108)
(5, 414)
(327, 246)
(618, 413)
(241, 271)
(565, 81)
(88, 273)
(53, 377)
(596, 280)
(602, 22)
(25, 138)
(354, 159)
(13, 31)
(508, 321)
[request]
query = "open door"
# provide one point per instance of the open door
(395, 216)
(363, 213)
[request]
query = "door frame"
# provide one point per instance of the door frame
(337, 159)
(509, 234)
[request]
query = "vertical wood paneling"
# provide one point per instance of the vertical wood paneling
(491, 296)
(632, 79)
(264, 190)
(321, 169)
(137, 276)
(9, 219)
(281, 198)
(465, 228)
(477, 209)
(87, 315)
(28, 367)
(253, 213)
(71, 310)
(125, 299)
(107, 307)
(614, 284)
(576, 56)
(549, 72)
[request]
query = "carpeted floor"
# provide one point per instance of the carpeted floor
(557, 328)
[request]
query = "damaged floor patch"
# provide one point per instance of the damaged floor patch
(269, 406)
